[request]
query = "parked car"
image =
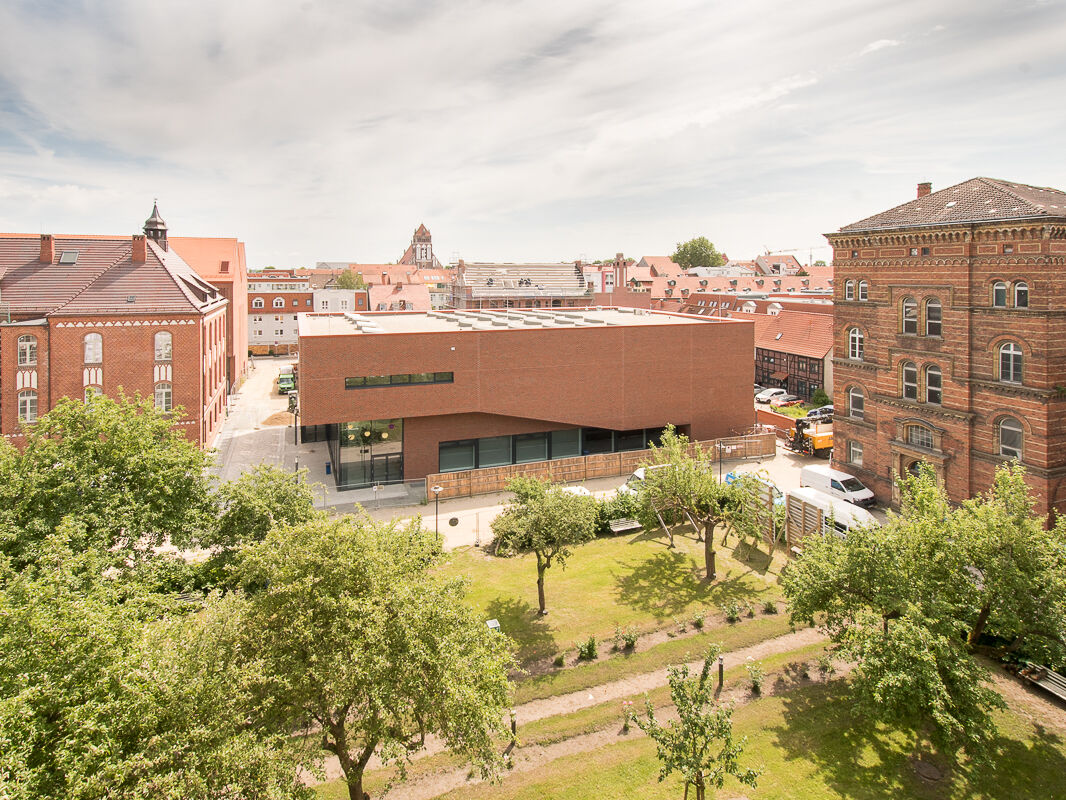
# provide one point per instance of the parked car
(581, 491)
(759, 388)
(830, 514)
(836, 483)
(785, 400)
(766, 395)
(775, 493)
(820, 413)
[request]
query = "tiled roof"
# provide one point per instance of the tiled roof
(414, 296)
(206, 254)
(549, 280)
(740, 284)
(103, 279)
(712, 303)
(797, 332)
(661, 265)
(975, 200)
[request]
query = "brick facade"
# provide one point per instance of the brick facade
(960, 432)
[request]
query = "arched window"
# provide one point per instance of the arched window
(94, 348)
(849, 290)
(163, 396)
(909, 380)
(999, 294)
(933, 318)
(1010, 438)
(855, 344)
(934, 385)
(279, 302)
(1010, 363)
(856, 403)
(1021, 295)
(91, 392)
(164, 346)
(28, 406)
(910, 315)
(864, 291)
(257, 302)
(27, 351)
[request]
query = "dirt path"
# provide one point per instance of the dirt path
(533, 757)
(615, 690)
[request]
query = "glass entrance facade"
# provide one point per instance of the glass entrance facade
(367, 452)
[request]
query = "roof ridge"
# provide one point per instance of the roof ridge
(174, 275)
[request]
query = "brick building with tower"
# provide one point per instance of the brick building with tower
(950, 339)
(85, 315)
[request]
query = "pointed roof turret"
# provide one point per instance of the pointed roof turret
(155, 227)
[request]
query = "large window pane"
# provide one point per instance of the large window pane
(457, 455)
(566, 444)
(597, 440)
(494, 451)
(629, 440)
(530, 447)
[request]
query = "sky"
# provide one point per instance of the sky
(516, 130)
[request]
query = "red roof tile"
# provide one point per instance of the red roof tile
(797, 332)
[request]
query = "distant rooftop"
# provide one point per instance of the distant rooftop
(496, 320)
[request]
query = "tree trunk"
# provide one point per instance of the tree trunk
(541, 568)
(979, 626)
(708, 550)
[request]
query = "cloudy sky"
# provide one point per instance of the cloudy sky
(516, 129)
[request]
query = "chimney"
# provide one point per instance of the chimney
(384, 277)
(140, 249)
(48, 249)
(924, 189)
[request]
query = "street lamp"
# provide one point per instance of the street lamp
(437, 489)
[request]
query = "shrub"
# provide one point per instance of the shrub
(769, 607)
(560, 660)
(825, 665)
(757, 675)
(586, 651)
(697, 620)
(621, 506)
(680, 623)
(820, 398)
(750, 610)
(732, 611)
(629, 639)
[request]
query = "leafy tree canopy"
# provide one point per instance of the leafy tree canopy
(349, 280)
(545, 520)
(698, 252)
(359, 641)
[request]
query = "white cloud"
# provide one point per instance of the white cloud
(535, 129)
(880, 44)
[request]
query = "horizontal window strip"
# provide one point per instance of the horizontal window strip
(403, 379)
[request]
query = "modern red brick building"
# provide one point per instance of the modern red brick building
(399, 396)
(275, 297)
(89, 315)
(950, 338)
(220, 262)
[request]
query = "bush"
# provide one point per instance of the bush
(621, 506)
(560, 660)
(825, 665)
(697, 621)
(820, 398)
(732, 611)
(629, 639)
(769, 607)
(750, 610)
(586, 651)
(757, 675)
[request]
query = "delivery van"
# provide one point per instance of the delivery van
(809, 512)
(286, 380)
(836, 483)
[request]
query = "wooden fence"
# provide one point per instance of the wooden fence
(468, 483)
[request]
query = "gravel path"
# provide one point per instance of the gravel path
(575, 701)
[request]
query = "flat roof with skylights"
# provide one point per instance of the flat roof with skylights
(485, 320)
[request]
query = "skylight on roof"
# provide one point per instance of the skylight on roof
(68, 257)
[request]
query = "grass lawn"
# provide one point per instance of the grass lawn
(809, 745)
(631, 581)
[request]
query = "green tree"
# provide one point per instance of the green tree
(545, 520)
(820, 398)
(106, 700)
(349, 280)
(819, 263)
(903, 600)
(679, 485)
(360, 643)
(699, 744)
(120, 467)
(698, 252)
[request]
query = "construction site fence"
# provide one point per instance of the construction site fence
(467, 483)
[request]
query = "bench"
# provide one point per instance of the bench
(1045, 678)
(625, 525)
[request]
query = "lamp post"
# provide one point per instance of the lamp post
(437, 489)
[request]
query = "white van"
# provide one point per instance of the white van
(836, 483)
(810, 511)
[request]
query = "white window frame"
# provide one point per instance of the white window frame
(849, 290)
(164, 396)
(856, 344)
(163, 344)
(1021, 291)
(919, 436)
(27, 406)
(910, 316)
(856, 392)
(279, 302)
(909, 380)
(934, 394)
(999, 294)
(1011, 357)
(94, 352)
(1008, 451)
(258, 303)
(27, 348)
(930, 304)
(855, 453)
(864, 291)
